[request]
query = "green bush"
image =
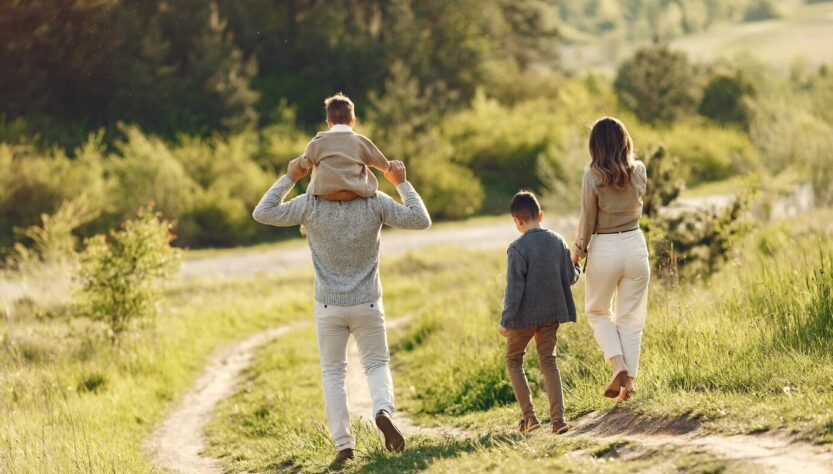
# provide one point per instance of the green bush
(760, 10)
(120, 275)
(657, 83)
(34, 183)
(725, 99)
(686, 241)
(706, 152)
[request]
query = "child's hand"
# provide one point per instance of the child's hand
(295, 170)
(502, 330)
(396, 172)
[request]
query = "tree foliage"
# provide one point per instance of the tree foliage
(686, 241)
(726, 97)
(657, 83)
(195, 66)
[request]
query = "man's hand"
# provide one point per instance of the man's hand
(575, 258)
(396, 173)
(295, 171)
(502, 330)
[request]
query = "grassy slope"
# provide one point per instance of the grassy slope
(70, 402)
(276, 419)
(802, 31)
(743, 352)
(709, 356)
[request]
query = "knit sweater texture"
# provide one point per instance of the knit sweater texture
(539, 274)
(343, 236)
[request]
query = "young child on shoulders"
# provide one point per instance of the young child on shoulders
(536, 301)
(340, 158)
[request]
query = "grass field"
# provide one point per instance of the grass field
(72, 403)
(746, 351)
(802, 31)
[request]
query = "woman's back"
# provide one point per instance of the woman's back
(619, 209)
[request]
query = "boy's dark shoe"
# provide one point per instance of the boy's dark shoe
(528, 424)
(394, 442)
(342, 457)
(560, 427)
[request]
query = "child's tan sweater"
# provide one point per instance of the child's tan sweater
(339, 161)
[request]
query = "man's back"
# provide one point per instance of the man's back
(344, 236)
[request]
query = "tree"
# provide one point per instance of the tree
(725, 99)
(657, 83)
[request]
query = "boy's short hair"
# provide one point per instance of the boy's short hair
(339, 109)
(525, 206)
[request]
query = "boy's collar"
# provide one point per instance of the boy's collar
(341, 127)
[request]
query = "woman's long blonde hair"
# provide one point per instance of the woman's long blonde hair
(611, 152)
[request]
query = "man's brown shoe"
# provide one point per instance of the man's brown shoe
(560, 427)
(528, 424)
(343, 456)
(394, 442)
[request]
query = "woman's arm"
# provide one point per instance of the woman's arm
(587, 218)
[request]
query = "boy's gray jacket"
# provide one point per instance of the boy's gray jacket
(539, 274)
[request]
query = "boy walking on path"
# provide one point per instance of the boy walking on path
(537, 299)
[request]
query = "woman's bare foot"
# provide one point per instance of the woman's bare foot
(619, 379)
(626, 390)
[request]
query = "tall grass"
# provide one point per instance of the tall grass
(747, 350)
(70, 402)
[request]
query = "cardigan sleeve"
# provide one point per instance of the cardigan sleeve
(587, 217)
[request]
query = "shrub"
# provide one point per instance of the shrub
(685, 241)
(760, 10)
(146, 170)
(52, 242)
(725, 99)
(502, 146)
(34, 183)
(657, 83)
(119, 276)
(727, 152)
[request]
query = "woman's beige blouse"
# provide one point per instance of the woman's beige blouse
(605, 209)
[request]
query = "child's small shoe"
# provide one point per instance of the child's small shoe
(527, 425)
(560, 427)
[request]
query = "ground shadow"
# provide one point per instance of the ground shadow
(619, 421)
(426, 450)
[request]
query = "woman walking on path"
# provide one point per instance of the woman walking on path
(610, 239)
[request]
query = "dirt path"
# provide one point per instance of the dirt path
(177, 442)
(497, 234)
(770, 452)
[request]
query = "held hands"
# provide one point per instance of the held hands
(575, 258)
(395, 173)
(502, 330)
(295, 171)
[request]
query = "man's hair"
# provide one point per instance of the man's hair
(339, 109)
(525, 206)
